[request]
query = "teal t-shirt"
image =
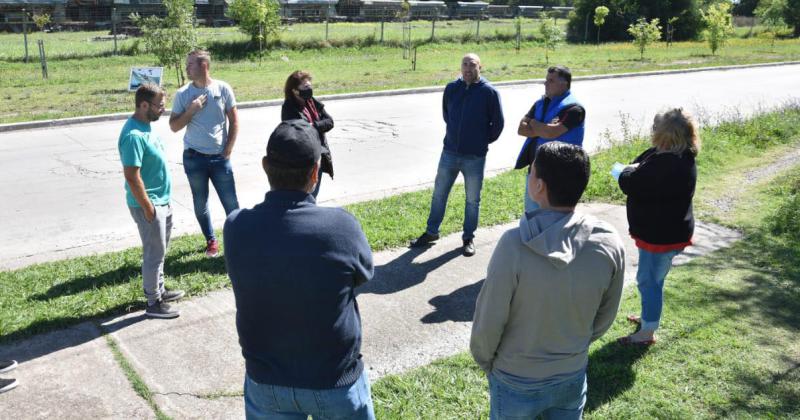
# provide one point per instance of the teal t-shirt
(140, 146)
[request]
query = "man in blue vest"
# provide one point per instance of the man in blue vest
(557, 116)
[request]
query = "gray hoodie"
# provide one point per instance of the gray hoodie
(553, 286)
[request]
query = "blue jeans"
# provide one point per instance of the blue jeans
(653, 269)
(560, 401)
(450, 164)
(200, 168)
(530, 205)
(262, 401)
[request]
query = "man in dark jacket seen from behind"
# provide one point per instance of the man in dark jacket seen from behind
(294, 267)
(474, 118)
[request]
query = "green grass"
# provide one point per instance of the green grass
(728, 344)
(84, 80)
(52, 295)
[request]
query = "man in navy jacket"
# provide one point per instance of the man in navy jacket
(294, 267)
(474, 118)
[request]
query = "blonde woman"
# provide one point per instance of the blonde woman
(660, 185)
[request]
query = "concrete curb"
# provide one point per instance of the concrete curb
(274, 102)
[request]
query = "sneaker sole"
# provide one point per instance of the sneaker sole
(214, 255)
(9, 387)
(9, 368)
(162, 316)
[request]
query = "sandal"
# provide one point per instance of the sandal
(635, 319)
(628, 341)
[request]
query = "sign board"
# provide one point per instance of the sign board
(141, 75)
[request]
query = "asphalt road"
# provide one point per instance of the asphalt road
(63, 196)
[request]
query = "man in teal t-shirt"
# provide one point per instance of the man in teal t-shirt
(148, 186)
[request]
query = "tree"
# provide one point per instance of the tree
(600, 13)
(551, 35)
(770, 13)
(624, 12)
(644, 33)
(745, 7)
(719, 25)
(172, 37)
(257, 18)
(791, 15)
(41, 20)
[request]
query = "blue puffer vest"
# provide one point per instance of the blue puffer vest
(557, 104)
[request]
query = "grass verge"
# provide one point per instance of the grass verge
(728, 344)
(99, 84)
(52, 295)
(136, 381)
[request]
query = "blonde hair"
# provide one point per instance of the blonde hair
(202, 56)
(675, 131)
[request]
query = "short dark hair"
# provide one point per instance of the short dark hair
(563, 72)
(147, 92)
(565, 169)
(288, 178)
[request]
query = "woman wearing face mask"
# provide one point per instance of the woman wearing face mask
(300, 103)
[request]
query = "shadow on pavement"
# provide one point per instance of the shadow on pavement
(458, 306)
(58, 334)
(402, 273)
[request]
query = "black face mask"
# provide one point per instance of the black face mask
(306, 94)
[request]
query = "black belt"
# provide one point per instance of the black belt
(196, 153)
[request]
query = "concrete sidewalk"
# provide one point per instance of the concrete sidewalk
(417, 309)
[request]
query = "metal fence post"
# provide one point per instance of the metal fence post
(478, 30)
(382, 31)
(114, 27)
(414, 61)
(25, 32)
(326, 27)
(433, 28)
(519, 34)
(42, 58)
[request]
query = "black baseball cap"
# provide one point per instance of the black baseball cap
(293, 144)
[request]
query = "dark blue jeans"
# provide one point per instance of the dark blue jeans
(262, 401)
(200, 168)
(450, 164)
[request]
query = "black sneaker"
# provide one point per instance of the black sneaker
(469, 248)
(7, 365)
(161, 310)
(423, 240)
(7, 384)
(171, 295)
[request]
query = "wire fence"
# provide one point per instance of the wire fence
(121, 37)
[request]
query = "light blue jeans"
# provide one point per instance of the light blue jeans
(262, 401)
(200, 168)
(450, 164)
(653, 269)
(560, 401)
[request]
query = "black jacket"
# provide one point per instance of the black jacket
(660, 193)
(292, 111)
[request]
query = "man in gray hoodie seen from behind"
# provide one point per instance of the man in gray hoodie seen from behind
(553, 286)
